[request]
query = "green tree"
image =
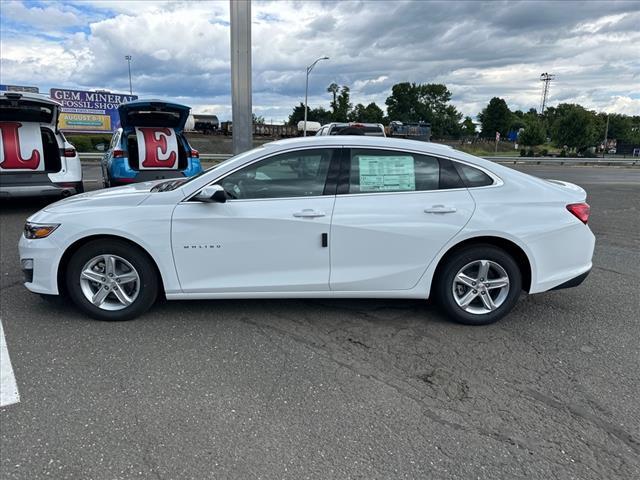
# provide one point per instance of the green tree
(334, 88)
(342, 105)
(620, 126)
(574, 126)
(257, 119)
(496, 117)
(468, 128)
(313, 115)
(534, 133)
(403, 103)
(411, 102)
(372, 113)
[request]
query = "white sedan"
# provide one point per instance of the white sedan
(317, 217)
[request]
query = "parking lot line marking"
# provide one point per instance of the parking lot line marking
(8, 388)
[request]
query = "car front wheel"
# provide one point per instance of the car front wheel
(111, 280)
(478, 285)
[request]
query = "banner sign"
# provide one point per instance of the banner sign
(157, 148)
(89, 112)
(21, 147)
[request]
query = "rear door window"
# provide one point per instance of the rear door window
(372, 171)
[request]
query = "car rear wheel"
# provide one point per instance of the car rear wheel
(112, 280)
(478, 285)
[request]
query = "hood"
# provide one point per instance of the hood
(153, 113)
(127, 196)
(29, 107)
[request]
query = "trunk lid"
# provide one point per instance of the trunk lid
(153, 113)
(574, 191)
(29, 107)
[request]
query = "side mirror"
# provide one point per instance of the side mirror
(211, 194)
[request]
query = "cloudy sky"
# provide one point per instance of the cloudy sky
(479, 50)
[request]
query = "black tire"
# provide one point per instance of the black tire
(444, 284)
(148, 285)
(80, 187)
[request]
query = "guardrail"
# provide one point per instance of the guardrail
(627, 162)
(203, 156)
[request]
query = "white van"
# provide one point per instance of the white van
(353, 128)
(312, 127)
(35, 158)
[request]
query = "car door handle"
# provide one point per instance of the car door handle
(440, 209)
(309, 213)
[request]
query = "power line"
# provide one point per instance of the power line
(546, 78)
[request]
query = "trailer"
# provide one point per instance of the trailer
(264, 130)
(415, 130)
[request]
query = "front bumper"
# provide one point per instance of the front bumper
(39, 259)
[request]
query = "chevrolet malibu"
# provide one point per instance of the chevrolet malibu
(317, 217)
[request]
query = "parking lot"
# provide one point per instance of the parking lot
(335, 388)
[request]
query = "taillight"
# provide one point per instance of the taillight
(580, 210)
(69, 152)
(195, 153)
(118, 153)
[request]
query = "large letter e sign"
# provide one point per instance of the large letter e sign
(158, 148)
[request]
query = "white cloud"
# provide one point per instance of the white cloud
(181, 50)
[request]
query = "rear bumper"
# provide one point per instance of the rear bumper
(146, 176)
(40, 184)
(574, 282)
(119, 172)
(13, 191)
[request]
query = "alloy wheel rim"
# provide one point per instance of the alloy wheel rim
(109, 282)
(481, 287)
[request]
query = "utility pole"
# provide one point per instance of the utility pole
(606, 134)
(128, 59)
(241, 75)
(546, 78)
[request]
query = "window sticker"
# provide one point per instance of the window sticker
(21, 147)
(386, 174)
(157, 148)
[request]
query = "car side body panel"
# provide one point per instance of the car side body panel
(525, 210)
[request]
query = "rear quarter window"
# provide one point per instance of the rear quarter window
(473, 177)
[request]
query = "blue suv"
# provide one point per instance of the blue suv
(150, 144)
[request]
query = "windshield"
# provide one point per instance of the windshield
(180, 182)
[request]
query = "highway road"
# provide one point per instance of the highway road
(335, 389)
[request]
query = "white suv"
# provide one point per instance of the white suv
(353, 128)
(35, 158)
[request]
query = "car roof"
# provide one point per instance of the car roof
(363, 141)
(36, 97)
(352, 123)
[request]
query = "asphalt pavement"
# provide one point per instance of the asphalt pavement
(325, 389)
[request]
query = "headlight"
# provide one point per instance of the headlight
(39, 230)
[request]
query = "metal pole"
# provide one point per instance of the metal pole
(606, 134)
(306, 91)
(241, 75)
(128, 58)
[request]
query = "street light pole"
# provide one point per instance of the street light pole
(306, 90)
(128, 59)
